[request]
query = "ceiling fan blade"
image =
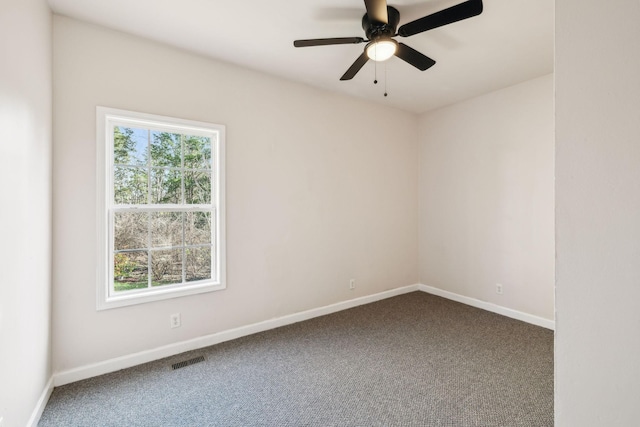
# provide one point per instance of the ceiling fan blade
(446, 16)
(413, 57)
(325, 42)
(355, 67)
(377, 11)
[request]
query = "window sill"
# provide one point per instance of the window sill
(134, 298)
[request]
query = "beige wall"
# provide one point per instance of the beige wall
(283, 159)
(321, 188)
(25, 216)
(486, 198)
(597, 92)
(597, 213)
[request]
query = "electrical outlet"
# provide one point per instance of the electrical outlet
(174, 320)
(352, 284)
(498, 289)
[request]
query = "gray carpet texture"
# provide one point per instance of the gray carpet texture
(410, 360)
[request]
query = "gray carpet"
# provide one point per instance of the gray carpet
(411, 360)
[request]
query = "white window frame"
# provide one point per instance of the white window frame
(106, 119)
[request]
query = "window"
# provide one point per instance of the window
(160, 207)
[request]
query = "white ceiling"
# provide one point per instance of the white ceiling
(510, 42)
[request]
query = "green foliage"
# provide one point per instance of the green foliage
(123, 144)
(123, 267)
(173, 163)
(166, 149)
(197, 152)
(129, 271)
(127, 286)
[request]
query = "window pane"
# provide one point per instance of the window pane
(166, 267)
(197, 228)
(130, 270)
(131, 230)
(130, 186)
(197, 187)
(166, 186)
(197, 152)
(198, 266)
(165, 149)
(130, 146)
(166, 229)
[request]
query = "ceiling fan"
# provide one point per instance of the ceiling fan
(380, 23)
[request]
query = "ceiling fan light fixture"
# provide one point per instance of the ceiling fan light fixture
(381, 50)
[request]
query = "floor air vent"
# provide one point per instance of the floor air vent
(187, 362)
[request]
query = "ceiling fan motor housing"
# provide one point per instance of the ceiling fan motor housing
(376, 30)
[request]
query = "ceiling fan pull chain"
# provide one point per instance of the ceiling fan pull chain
(375, 67)
(385, 79)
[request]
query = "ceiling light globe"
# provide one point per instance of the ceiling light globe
(381, 50)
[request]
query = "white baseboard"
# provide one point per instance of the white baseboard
(514, 314)
(112, 365)
(42, 402)
(128, 361)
